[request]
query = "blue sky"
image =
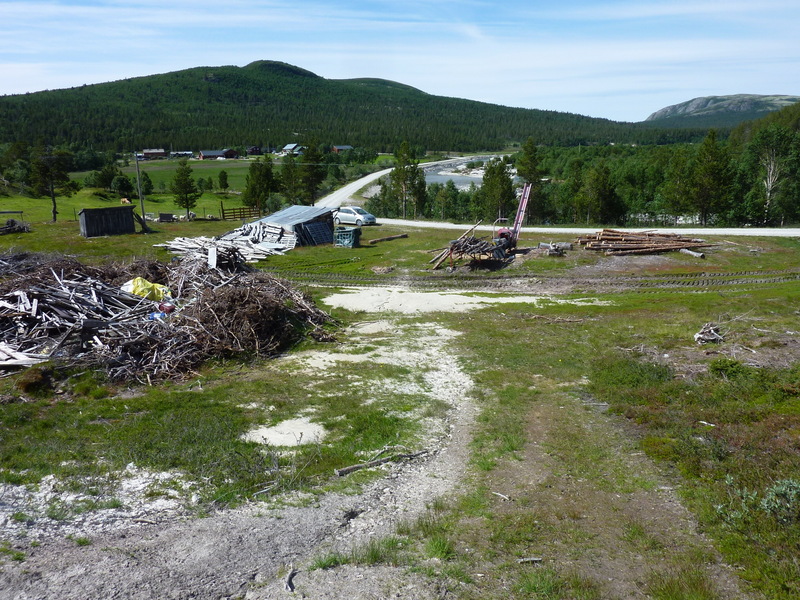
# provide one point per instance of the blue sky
(616, 59)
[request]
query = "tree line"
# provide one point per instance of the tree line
(712, 183)
(751, 179)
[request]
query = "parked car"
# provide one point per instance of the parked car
(353, 215)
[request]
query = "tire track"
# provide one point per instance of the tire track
(532, 282)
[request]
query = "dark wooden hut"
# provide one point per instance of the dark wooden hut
(114, 220)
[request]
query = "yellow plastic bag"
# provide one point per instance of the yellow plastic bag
(141, 287)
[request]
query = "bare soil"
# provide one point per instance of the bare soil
(248, 552)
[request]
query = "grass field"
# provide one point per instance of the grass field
(161, 173)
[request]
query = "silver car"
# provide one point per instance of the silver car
(353, 215)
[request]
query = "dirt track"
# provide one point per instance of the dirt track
(247, 552)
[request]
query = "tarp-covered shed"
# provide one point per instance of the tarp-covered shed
(114, 220)
(313, 225)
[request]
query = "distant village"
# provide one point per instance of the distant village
(229, 153)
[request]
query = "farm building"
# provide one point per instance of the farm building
(292, 149)
(114, 220)
(313, 225)
(218, 154)
(151, 153)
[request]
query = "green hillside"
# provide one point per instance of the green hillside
(271, 103)
(788, 117)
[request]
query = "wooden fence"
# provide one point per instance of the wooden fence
(238, 213)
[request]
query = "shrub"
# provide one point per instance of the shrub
(440, 547)
(782, 500)
(624, 372)
(36, 381)
(727, 368)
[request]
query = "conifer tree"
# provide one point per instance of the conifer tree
(50, 174)
(260, 183)
(711, 177)
(405, 179)
(497, 191)
(311, 173)
(290, 180)
(529, 171)
(184, 188)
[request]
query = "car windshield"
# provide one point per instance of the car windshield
(361, 211)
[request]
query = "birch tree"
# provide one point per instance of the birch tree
(770, 150)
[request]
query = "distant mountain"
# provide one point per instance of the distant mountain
(719, 111)
(273, 103)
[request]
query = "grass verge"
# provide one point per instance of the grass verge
(723, 429)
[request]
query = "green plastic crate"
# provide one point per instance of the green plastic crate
(347, 237)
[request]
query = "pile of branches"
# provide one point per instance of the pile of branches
(71, 313)
(614, 242)
(14, 226)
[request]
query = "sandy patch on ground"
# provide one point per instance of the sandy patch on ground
(404, 301)
(53, 510)
(292, 432)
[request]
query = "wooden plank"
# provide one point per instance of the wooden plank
(391, 237)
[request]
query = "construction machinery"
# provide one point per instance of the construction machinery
(506, 239)
(500, 248)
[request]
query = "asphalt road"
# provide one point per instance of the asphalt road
(344, 196)
(693, 231)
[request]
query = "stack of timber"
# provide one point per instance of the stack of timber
(620, 243)
(77, 315)
(471, 246)
(252, 242)
(260, 233)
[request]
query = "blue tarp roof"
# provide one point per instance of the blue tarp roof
(295, 215)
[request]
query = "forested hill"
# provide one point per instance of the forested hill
(271, 103)
(788, 118)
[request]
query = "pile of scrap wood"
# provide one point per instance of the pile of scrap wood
(66, 312)
(14, 226)
(464, 246)
(710, 333)
(468, 246)
(554, 248)
(252, 242)
(471, 246)
(614, 242)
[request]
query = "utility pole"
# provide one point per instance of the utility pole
(145, 228)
